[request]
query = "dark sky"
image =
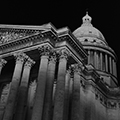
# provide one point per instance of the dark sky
(105, 16)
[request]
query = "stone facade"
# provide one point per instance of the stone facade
(49, 74)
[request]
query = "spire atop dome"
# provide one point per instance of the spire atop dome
(87, 18)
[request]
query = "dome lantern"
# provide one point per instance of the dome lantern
(87, 19)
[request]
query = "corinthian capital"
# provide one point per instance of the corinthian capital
(44, 50)
(52, 59)
(20, 57)
(63, 53)
(29, 62)
(2, 62)
(75, 68)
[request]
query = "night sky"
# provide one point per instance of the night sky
(105, 16)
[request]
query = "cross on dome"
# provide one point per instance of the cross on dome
(87, 18)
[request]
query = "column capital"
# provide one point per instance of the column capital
(77, 68)
(20, 57)
(2, 62)
(63, 53)
(44, 50)
(52, 59)
(29, 62)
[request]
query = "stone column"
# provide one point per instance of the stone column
(95, 59)
(115, 72)
(22, 93)
(41, 84)
(49, 89)
(113, 66)
(60, 88)
(92, 57)
(2, 63)
(101, 61)
(106, 62)
(75, 112)
(2, 107)
(110, 64)
(10, 107)
(67, 95)
(88, 56)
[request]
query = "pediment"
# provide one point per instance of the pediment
(9, 33)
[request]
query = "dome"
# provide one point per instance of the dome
(87, 29)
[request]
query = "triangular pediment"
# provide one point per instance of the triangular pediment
(13, 32)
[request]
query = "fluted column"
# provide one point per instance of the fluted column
(22, 93)
(2, 63)
(41, 84)
(49, 88)
(106, 62)
(20, 57)
(75, 112)
(60, 88)
(101, 61)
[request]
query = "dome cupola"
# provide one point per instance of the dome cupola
(87, 30)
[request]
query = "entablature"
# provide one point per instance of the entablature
(37, 36)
